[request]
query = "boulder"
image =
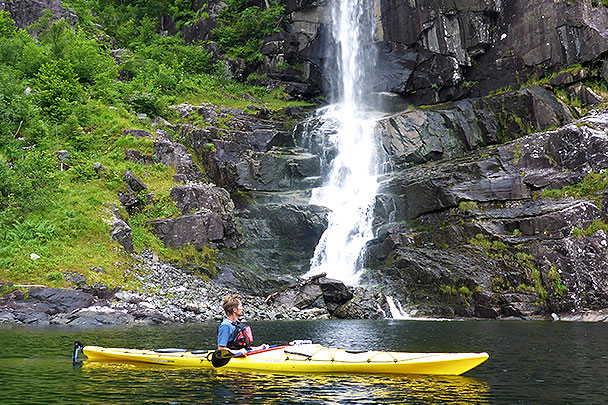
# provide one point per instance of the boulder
(313, 292)
(175, 154)
(129, 200)
(209, 199)
(335, 293)
(199, 31)
(367, 303)
(137, 133)
(56, 300)
(137, 156)
(121, 233)
(134, 182)
(198, 230)
(303, 295)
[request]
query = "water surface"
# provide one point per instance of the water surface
(530, 362)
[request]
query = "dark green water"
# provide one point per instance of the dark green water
(530, 362)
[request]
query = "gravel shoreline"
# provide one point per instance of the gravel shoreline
(183, 297)
(166, 295)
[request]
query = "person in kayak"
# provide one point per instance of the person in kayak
(233, 335)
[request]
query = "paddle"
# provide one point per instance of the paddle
(77, 348)
(220, 358)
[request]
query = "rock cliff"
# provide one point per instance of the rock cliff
(435, 51)
(493, 203)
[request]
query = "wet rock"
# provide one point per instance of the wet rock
(366, 303)
(586, 316)
(433, 52)
(335, 293)
(302, 298)
(484, 243)
(55, 300)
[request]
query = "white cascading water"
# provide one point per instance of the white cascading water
(351, 184)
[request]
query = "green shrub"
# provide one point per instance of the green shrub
(29, 180)
(82, 172)
(195, 59)
(242, 29)
(556, 281)
(30, 230)
(7, 29)
(54, 276)
(58, 88)
(145, 103)
(465, 206)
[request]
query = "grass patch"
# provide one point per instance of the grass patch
(589, 187)
(465, 206)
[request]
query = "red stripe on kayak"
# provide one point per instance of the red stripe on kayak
(269, 349)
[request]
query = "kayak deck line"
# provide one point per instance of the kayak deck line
(309, 358)
(369, 360)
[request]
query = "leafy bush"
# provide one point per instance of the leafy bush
(242, 29)
(58, 88)
(7, 29)
(29, 230)
(29, 181)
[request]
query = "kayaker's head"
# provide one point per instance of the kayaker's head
(233, 307)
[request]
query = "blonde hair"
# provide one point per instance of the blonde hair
(231, 301)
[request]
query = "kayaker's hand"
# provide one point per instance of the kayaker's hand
(264, 346)
(240, 351)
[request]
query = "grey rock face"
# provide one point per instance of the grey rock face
(198, 230)
(175, 154)
(121, 231)
(253, 154)
(433, 52)
(129, 200)
(477, 237)
(454, 129)
(208, 220)
(28, 12)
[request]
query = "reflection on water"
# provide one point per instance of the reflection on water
(257, 387)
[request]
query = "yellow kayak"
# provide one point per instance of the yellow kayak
(305, 358)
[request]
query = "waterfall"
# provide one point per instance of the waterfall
(397, 311)
(347, 128)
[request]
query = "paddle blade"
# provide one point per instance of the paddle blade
(220, 358)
